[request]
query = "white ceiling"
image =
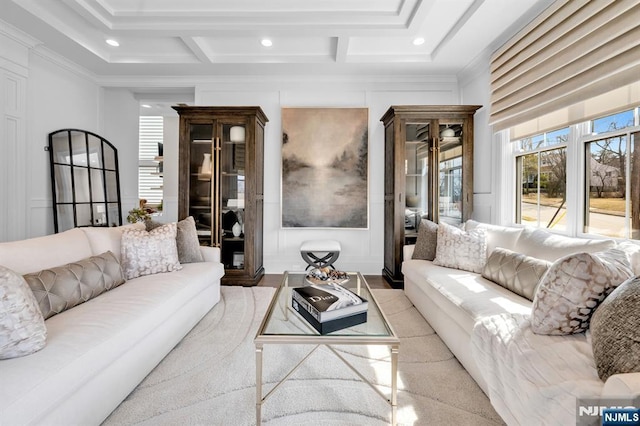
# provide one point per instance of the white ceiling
(222, 37)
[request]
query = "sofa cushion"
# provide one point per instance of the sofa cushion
(497, 236)
(548, 246)
(22, 329)
(61, 288)
(103, 239)
(427, 240)
(461, 250)
(615, 331)
(465, 296)
(515, 271)
(35, 254)
(572, 289)
(152, 252)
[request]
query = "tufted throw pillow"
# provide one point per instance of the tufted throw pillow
(572, 289)
(615, 331)
(427, 240)
(153, 252)
(186, 240)
(515, 271)
(22, 329)
(461, 250)
(63, 287)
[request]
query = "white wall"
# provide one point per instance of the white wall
(120, 126)
(475, 90)
(58, 97)
(362, 250)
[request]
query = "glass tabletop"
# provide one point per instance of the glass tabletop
(282, 320)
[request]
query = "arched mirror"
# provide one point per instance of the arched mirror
(84, 180)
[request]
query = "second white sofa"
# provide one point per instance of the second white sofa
(529, 378)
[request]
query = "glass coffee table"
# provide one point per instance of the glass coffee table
(282, 325)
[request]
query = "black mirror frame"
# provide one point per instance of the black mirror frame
(94, 195)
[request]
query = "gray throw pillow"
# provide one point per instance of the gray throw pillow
(615, 331)
(427, 240)
(22, 328)
(186, 240)
(515, 271)
(61, 288)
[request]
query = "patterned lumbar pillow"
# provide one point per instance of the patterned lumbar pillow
(461, 250)
(515, 271)
(22, 328)
(572, 289)
(63, 287)
(615, 331)
(427, 241)
(153, 252)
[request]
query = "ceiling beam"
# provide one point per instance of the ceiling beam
(342, 48)
(195, 44)
(471, 10)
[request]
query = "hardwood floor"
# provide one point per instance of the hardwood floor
(273, 280)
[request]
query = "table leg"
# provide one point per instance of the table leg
(394, 383)
(258, 384)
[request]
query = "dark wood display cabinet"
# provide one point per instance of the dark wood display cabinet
(428, 172)
(221, 184)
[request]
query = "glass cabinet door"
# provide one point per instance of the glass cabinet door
(201, 180)
(232, 194)
(416, 170)
(450, 189)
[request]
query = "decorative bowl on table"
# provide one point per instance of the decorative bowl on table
(326, 275)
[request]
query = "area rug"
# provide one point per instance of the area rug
(209, 378)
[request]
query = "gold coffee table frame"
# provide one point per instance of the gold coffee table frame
(282, 325)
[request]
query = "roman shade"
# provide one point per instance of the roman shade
(573, 51)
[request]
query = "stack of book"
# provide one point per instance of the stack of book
(329, 307)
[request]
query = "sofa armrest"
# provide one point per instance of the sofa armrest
(407, 251)
(627, 384)
(210, 254)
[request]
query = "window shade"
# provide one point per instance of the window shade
(149, 178)
(573, 51)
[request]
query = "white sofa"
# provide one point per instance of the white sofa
(97, 352)
(529, 378)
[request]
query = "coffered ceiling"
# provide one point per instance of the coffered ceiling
(223, 37)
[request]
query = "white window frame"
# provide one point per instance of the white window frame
(150, 180)
(579, 135)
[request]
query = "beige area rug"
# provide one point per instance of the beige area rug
(209, 378)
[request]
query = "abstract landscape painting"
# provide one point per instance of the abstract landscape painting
(325, 167)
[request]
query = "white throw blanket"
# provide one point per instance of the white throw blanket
(534, 379)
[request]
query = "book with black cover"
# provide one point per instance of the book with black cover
(331, 325)
(329, 302)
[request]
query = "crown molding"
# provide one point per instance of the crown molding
(17, 35)
(62, 62)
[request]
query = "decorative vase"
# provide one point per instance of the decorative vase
(412, 201)
(206, 165)
(236, 229)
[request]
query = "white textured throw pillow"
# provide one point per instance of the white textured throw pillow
(572, 289)
(146, 253)
(22, 329)
(461, 250)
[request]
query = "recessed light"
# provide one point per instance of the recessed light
(145, 106)
(266, 42)
(418, 41)
(112, 42)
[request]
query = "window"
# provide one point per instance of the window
(582, 179)
(612, 177)
(150, 159)
(541, 166)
